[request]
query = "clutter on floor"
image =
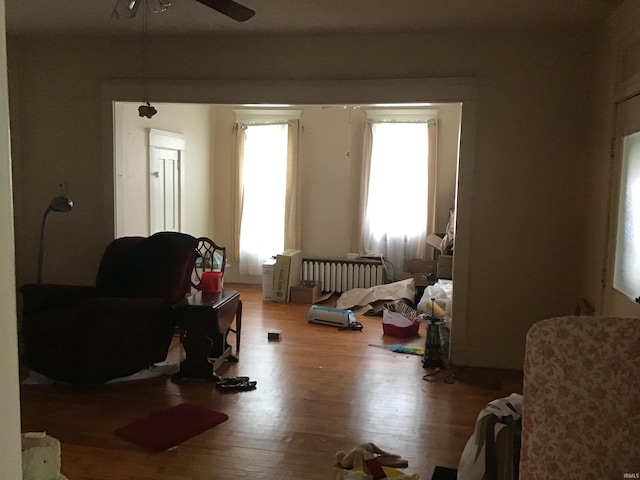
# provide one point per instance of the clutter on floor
(444, 473)
(423, 273)
(371, 301)
(153, 371)
(446, 375)
(397, 348)
(333, 317)
(235, 384)
(307, 291)
(494, 445)
(437, 300)
(400, 320)
(390, 473)
(41, 457)
(274, 335)
(367, 461)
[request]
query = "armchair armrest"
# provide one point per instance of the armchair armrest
(47, 296)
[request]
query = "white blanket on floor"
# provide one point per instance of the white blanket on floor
(370, 301)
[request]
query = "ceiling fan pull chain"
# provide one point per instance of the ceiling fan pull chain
(144, 55)
(145, 110)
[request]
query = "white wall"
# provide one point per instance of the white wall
(530, 143)
(329, 179)
(192, 121)
(10, 446)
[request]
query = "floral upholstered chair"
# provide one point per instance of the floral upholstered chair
(581, 407)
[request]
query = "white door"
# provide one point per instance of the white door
(164, 188)
(165, 155)
(622, 283)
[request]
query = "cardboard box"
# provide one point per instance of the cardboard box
(274, 335)
(306, 292)
(286, 274)
(268, 268)
(435, 240)
(445, 266)
(419, 270)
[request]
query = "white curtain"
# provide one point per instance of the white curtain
(266, 206)
(398, 193)
(293, 205)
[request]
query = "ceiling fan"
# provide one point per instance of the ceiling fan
(233, 10)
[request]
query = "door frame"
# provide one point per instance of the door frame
(464, 90)
(614, 302)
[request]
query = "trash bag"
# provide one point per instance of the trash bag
(442, 293)
(493, 451)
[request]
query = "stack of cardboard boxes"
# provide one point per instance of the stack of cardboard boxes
(444, 261)
(279, 275)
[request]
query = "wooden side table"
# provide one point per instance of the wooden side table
(205, 320)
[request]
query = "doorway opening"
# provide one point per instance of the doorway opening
(204, 95)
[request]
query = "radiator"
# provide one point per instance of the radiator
(340, 275)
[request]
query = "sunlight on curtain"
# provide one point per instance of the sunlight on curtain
(626, 277)
(264, 176)
(397, 198)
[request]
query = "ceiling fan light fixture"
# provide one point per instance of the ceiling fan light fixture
(231, 9)
(159, 6)
(126, 8)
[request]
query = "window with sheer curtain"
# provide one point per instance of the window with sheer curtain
(267, 214)
(398, 189)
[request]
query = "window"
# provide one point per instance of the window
(264, 176)
(627, 262)
(266, 207)
(398, 181)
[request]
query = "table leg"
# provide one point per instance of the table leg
(205, 330)
(238, 328)
(197, 345)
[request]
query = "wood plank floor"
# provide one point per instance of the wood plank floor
(319, 390)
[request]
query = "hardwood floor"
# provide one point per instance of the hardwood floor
(319, 390)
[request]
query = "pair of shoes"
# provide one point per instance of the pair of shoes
(231, 380)
(236, 384)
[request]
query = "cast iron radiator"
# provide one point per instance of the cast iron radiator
(340, 275)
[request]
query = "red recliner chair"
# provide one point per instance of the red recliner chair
(88, 335)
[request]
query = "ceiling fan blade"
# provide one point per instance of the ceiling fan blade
(126, 8)
(231, 9)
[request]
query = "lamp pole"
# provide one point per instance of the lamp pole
(58, 204)
(41, 249)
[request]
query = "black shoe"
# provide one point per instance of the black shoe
(231, 380)
(237, 387)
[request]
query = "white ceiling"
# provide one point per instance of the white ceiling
(56, 16)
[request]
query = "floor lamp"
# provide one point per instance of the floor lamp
(58, 204)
